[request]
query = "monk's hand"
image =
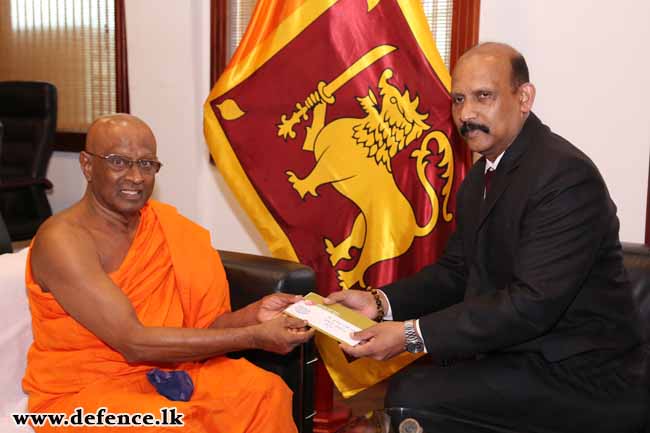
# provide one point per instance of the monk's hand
(359, 300)
(381, 342)
(271, 306)
(281, 334)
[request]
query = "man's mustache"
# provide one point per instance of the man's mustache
(468, 127)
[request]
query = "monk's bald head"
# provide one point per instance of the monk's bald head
(119, 164)
(113, 130)
(497, 52)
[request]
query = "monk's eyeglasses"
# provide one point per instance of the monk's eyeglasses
(119, 163)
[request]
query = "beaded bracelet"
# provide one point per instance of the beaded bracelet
(380, 306)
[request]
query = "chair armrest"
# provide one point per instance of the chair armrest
(637, 264)
(252, 277)
(635, 249)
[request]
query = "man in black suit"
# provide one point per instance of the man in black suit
(528, 316)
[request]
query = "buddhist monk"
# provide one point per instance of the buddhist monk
(120, 285)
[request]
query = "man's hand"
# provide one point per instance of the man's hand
(358, 300)
(269, 307)
(281, 334)
(381, 342)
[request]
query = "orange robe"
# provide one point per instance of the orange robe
(174, 278)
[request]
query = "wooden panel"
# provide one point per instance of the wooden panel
(218, 25)
(69, 141)
(464, 28)
(121, 65)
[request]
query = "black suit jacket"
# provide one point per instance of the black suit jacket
(536, 266)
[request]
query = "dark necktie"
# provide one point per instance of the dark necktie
(488, 178)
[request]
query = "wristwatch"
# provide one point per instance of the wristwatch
(414, 343)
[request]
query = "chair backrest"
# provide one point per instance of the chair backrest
(28, 110)
(637, 263)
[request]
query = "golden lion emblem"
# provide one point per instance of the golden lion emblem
(354, 156)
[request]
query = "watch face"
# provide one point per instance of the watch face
(414, 347)
(413, 342)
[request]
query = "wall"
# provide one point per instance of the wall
(589, 89)
(69, 183)
(589, 62)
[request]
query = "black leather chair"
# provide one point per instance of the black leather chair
(5, 240)
(252, 277)
(637, 263)
(28, 111)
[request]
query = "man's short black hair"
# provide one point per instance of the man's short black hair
(519, 71)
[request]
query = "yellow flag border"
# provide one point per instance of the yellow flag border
(221, 149)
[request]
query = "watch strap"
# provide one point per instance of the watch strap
(413, 341)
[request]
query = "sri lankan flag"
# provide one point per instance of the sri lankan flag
(332, 126)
